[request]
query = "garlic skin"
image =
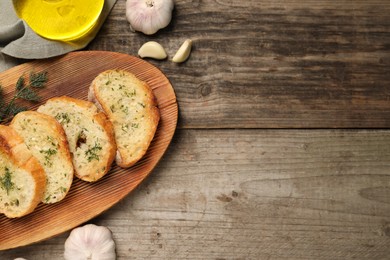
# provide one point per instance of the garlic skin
(90, 242)
(149, 16)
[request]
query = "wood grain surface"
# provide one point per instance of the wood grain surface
(273, 64)
(253, 194)
(282, 145)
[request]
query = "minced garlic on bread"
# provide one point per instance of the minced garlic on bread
(130, 105)
(46, 139)
(22, 179)
(89, 133)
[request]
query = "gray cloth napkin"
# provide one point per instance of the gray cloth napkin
(18, 41)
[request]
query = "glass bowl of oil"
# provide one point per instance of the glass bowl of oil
(62, 20)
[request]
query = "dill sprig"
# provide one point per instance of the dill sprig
(24, 91)
(38, 80)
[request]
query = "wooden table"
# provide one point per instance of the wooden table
(282, 149)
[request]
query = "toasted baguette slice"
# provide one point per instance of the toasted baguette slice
(46, 140)
(90, 135)
(22, 179)
(131, 107)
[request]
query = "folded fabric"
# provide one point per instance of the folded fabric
(19, 42)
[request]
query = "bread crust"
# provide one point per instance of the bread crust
(102, 119)
(78, 102)
(17, 154)
(91, 172)
(127, 157)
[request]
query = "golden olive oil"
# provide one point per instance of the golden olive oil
(64, 20)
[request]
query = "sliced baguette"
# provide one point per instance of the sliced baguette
(90, 135)
(46, 139)
(22, 179)
(131, 107)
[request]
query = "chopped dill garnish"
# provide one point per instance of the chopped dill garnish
(48, 154)
(91, 153)
(63, 118)
(6, 181)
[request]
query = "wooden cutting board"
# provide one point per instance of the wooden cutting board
(71, 75)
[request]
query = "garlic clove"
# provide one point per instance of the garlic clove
(183, 52)
(149, 16)
(90, 242)
(152, 50)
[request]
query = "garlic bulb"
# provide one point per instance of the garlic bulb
(90, 242)
(149, 16)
